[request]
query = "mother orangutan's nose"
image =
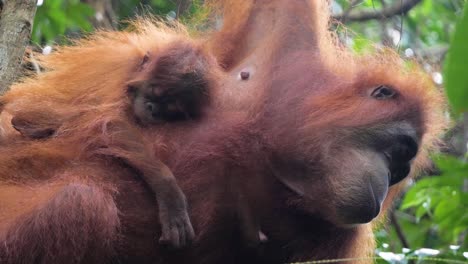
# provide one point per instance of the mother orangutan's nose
(403, 150)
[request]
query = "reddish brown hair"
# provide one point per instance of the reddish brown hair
(306, 93)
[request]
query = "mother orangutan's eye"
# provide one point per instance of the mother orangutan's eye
(383, 92)
(150, 107)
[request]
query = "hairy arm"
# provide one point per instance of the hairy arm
(124, 142)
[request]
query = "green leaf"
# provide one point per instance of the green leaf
(413, 199)
(420, 212)
(450, 163)
(446, 209)
(456, 72)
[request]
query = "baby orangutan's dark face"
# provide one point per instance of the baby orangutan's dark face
(173, 85)
(181, 99)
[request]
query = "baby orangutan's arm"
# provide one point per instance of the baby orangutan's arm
(120, 140)
(123, 142)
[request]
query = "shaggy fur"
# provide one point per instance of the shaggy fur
(306, 97)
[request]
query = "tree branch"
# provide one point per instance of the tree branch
(438, 52)
(182, 7)
(399, 231)
(400, 234)
(105, 17)
(399, 8)
(352, 5)
(16, 20)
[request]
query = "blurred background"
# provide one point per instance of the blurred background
(429, 224)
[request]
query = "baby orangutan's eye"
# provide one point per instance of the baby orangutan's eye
(383, 92)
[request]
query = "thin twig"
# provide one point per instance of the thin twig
(400, 233)
(345, 14)
(398, 230)
(182, 7)
(104, 17)
(33, 61)
(399, 8)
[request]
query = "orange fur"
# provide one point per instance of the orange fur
(306, 96)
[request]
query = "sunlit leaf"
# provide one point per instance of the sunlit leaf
(456, 72)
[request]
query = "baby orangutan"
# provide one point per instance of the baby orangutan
(171, 87)
(174, 87)
(177, 90)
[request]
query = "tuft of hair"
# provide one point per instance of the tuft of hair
(92, 67)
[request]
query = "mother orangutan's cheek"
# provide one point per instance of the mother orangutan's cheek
(360, 187)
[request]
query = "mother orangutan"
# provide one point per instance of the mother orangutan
(310, 139)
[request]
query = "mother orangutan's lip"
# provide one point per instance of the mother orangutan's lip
(376, 211)
(377, 203)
